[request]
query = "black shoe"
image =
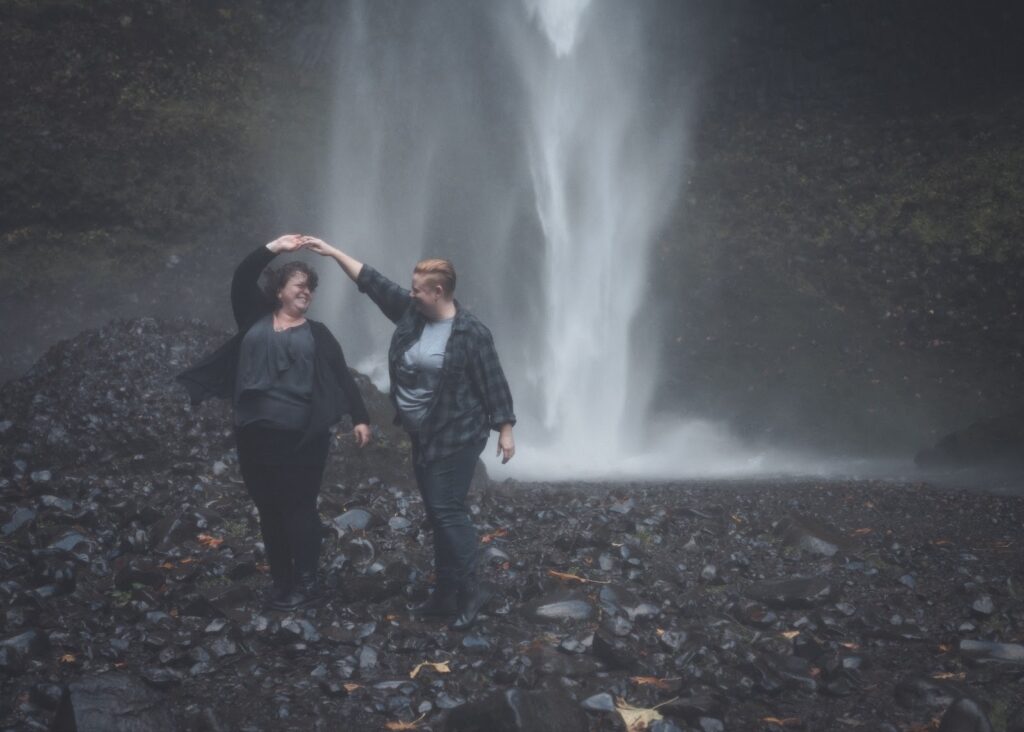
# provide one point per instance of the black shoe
(440, 604)
(306, 592)
(277, 591)
(471, 600)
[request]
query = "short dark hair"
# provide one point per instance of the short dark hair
(275, 278)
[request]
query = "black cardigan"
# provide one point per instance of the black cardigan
(335, 393)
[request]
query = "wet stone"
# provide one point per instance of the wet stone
(160, 677)
(812, 536)
(924, 693)
(694, 707)
(965, 715)
(616, 599)
(476, 643)
(113, 702)
(58, 503)
(986, 651)
(47, 696)
(673, 640)
(794, 593)
(603, 702)
(983, 606)
(399, 523)
(356, 519)
(18, 650)
(222, 647)
(613, 651)
(617, 625)
(560, 607)
(550, 662)
(517, 710)
(367, 659)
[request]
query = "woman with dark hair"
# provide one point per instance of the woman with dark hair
(288, 381)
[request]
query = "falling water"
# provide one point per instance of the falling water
(539, 146)
(605, 178)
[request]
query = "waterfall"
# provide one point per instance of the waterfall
(605, 175)
(539, 145)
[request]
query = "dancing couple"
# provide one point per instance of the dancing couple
(289, 384)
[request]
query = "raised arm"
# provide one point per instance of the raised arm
(350, 265)
(248, 303)
(392, 299)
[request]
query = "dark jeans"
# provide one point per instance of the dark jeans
(444, 485)
(285, 496)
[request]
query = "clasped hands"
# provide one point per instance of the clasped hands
(294, 242)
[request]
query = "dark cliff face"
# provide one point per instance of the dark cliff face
(845, 258)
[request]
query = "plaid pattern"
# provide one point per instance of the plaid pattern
(472, 395)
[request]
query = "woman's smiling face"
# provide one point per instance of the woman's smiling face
(295, 297)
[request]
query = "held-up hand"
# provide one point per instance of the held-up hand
(286, 243)
(363, 434)
(506, 444)
(317, 245)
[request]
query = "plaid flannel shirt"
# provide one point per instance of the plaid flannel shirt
(472, 395)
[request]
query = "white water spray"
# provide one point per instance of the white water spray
(534, 146)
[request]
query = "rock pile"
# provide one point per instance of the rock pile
(133, 577)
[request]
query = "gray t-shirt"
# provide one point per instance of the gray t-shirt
(418, 372)
(274, 382)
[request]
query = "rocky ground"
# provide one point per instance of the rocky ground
(133, 577)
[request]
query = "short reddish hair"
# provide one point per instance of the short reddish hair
(439, 272)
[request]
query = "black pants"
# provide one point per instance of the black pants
(444, 485)
(285, 496)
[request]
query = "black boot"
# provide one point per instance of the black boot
(304, 593)
(472, 597)
(441, 604)
(278, 590)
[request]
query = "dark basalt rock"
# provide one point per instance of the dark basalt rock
(997, 442)
(987, 651)
(797, 592)
(517, 710)
(924, 693)
(150, 561)
(965, 715)
(113, 702)
(813, 536)
(615, 652)
(17, 651)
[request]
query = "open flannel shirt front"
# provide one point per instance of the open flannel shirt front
(472, 395)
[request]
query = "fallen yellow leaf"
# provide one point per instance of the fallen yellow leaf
(67, 658)
(785, 722)
(636, 719)
(496, 534)
(210, 541)
(405, 725)
(441, 667)
(352, 687)
(576, 578)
